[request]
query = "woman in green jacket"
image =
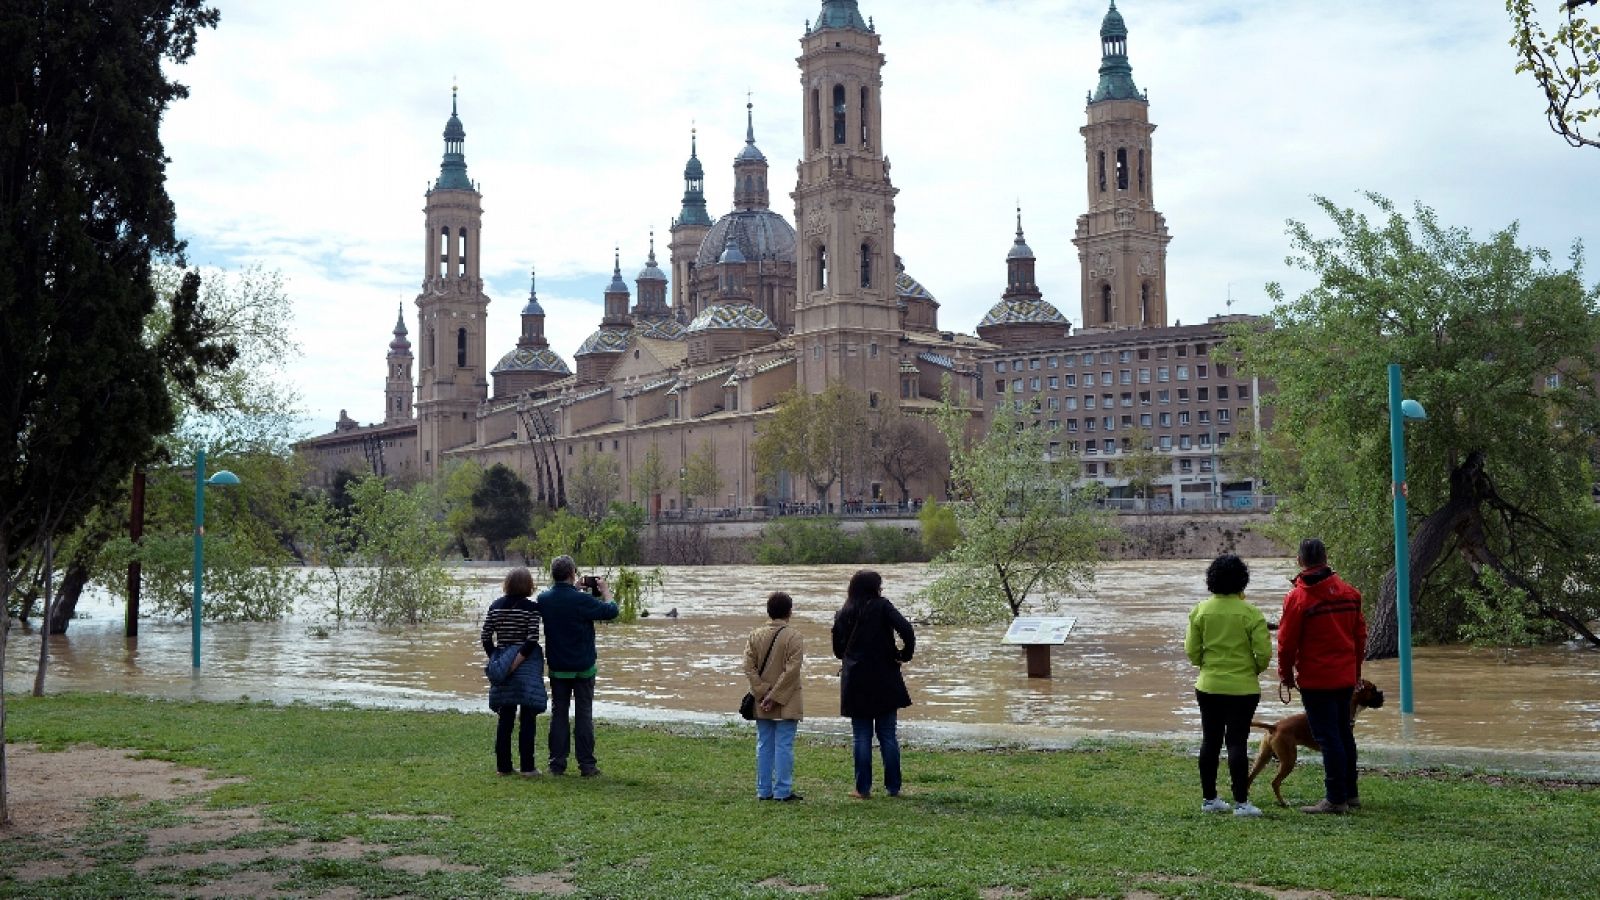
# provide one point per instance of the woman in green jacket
(1228, 640)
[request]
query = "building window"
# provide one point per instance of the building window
(1071, 380)
(822, 267)
(1110, 447)
(1054, 382)
(1072, 403)
(1183, 350)
(872, 351)
(1088, 401)
(1089, 425)
(1161, 353)
(872, 399)
(1105, 378)
(1163, 374)
(838, 113)
(1184, 442)
(1200, 349)
(1072, 426)
(1186, 465)
(1166, 420)
(1033, 364)
(1144, 376)
(1088, 359)
(1122, 168)
(1222, 370)
(1033, 383)
(1244, 392)
(866, 132)
(1202, 394)
(1127, 400)
(1125, 376)
(1163, 396)
(461, 348)
(1105, 303)
(1166, 442)
(1088, 379)
(1223, 416)
(1108, 423)
(1205, 417)
(1144, 420)
(1222, 392)
(1183, 395)
(1016, 385)
(1055, 363)
(866, 265)
(1000, 385)
(1144, 398)
(1102, 179)
(1055, 403)
(1000, 366)
(1183, 374)
(1199, 371)
(1183, 417)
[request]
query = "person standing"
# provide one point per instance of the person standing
(772, 660)
(569, 615)
(871, 688)
(1227, 639)
(511, 633)
(1322, 638)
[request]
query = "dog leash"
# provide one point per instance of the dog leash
(1285, 693)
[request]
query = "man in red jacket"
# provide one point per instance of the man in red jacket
(1322, 638)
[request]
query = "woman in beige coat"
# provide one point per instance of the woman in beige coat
(772, 660)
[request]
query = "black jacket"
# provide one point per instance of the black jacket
(870, 682)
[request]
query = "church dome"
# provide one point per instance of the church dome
(1113, 25)
(907, 287)
(1023, 312)
(660, 329)
(605, 340)
(731, 317)
(531, 359)
(651, 271)
(762, 234)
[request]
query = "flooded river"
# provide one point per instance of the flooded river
(1121, 672)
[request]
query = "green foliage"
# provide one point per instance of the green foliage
(1143, 465)
(613, 541)
(502, 509)
(1026, 530)
(806, 541)
(821, 439)
(940, 533)
(460, 481)
(701, 476)
(1478, 328)
(889, 544)
(592, 484)
(629, 588)
(1566, 65)
(400, 544)
(650, 477)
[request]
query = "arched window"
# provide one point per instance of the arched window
(1144, 303)
(838, 113)
(816, 119)
(461, 261)
(1105, 303)
(428, 348)
(749, 185)
(822, 267)
(1122, 168)
(461, 348)
(1141, 174)
(1102, 155)
(444, 251)
(866, 265)
(866, 129)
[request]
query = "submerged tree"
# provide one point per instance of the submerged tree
(1500, 348)
(502, 509)
(1566, 64)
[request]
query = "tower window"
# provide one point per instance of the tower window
(749, 186)
(822, 267)
(866, 130)
(1102, 155)
(866, 265)
(1144, 303)
(1141, 174)
(1105, 303)
(444, 251)
(461, 348)
(461, 260)
(428, 348)
(838, 113)
(1122, 168)
(816, 119)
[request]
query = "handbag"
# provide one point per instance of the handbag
(747, 706)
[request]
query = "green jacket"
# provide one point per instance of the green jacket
(1228, 640)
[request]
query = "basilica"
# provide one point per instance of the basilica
(691, 364)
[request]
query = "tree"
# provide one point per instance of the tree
(1025, 528)
(701, 477)
(902, 448)
(400, 545)
(1566, 65)
(1144, 465)
(820, 438)
(1499, 347)
(650, 479)
(461, 480)
(940, 533)
(592, 485)
(502, 509)
(83, 213)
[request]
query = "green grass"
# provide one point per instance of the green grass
(675, 816)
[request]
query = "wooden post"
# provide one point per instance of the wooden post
(1038, 660)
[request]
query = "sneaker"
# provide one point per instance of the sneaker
(1353, 803)
(1323, 807)
(590, 773)
(792, 798)
(1246, 809)
(1215, 804)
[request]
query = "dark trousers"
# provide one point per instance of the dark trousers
(1329, 714)
(1225, 719)
(562, 692)
(527, 740)
(862, 729)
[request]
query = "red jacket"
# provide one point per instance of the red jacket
(1322, 636)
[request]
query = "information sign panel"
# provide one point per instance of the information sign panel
(1039, 630)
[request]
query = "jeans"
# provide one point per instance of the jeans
(775, 757)
(1329, 714)
(1225, 718)
(562, 691)
(863, 728)
(527, 740)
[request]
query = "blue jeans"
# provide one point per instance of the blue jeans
(775, 757)
(1329, 715)
(863, 728)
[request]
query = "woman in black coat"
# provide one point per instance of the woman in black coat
(871, 690)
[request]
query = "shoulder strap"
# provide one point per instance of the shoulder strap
(860, 611)
(770, 644)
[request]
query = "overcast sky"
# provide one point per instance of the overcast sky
(313, 129)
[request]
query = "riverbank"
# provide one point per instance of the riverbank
(345, 803)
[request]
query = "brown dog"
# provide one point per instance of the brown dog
(1285, 736)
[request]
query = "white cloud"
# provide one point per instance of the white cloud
(313, 129)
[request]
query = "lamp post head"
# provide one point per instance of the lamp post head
(1411, 409)
(224, 478)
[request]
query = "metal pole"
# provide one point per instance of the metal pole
(135, 533)
(199, 553)
(1402, 552)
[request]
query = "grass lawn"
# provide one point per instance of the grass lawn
(674, 816)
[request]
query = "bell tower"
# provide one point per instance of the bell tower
(1122, 240)
(397, 388)
(689, 228)
(846, 317)
(451, 308)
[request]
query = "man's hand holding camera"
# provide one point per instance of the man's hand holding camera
(596, 585)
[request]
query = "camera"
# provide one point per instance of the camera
(591, 583)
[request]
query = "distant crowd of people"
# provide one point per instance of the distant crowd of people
(1320, 642)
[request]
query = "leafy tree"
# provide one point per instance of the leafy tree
(820, 438)
(701, 478)
(940, 532)
(650, 478)
(592, 484)
(1566, 65)
(1025, 528)
(806, 541)
(400, 546)
(502, 509)
(903, 447)
(890, 544)
(1144, 465)
(612, 541)
(1499, 347)
(461, 481)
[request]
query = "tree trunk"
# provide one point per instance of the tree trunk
(66, 605)
(44, 620)
(5, 630)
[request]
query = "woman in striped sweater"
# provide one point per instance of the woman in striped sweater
(513, 621)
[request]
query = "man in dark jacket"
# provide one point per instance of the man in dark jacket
(1322, 638)
(569, 614)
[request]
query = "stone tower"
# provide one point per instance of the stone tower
(398, 389)
(846, 316)
(688, 230)
(451, 309)
(1122, 240)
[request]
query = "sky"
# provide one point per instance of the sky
(313, 129)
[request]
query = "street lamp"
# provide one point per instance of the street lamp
(1399, 411)
(223, 478)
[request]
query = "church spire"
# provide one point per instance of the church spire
(750, 168)
(401, 344)
(453, 168)
(694, 189)
(840, 14)
(1116, 74)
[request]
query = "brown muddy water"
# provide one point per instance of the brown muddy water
(1122, 671)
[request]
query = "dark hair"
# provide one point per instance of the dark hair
(779, 605)
(865, 585)
(1227, 575)
(562, 568)
(519, 583)
(1313, 552)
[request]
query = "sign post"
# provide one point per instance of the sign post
(1037, 634)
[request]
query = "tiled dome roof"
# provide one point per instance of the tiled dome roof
(660, 329)
(731, 317)
(531, 359)
(605, 340)
(762, 234)
(1023, 312)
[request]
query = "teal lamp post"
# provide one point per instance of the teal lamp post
(1399, 411)
(223, 478)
